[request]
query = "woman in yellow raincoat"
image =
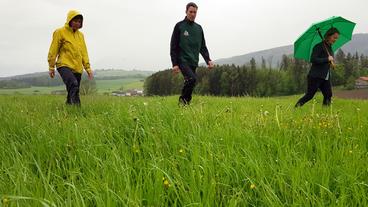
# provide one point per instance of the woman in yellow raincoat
(68, 53)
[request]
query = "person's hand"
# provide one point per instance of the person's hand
(176, 69)
(332, 61)
(90, 74)
(52, 73)
(210, 65)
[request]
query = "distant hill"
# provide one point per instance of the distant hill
(273, 56)
(99, 74)
(121, 73)
(40, 83)
(109, 78)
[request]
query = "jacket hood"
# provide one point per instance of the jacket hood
(71, 15)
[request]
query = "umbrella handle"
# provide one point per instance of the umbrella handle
(332, 63)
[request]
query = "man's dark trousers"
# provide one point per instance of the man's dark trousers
(190, 79)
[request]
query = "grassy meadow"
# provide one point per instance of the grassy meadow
(146, 151)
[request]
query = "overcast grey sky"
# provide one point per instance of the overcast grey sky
(127, 34)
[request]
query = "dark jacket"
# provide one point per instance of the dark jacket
(319, 59)
(187, 41)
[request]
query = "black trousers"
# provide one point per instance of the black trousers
(313, 85)
(72, 83)
(190, 79)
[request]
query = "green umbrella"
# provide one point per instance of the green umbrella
(304, 45)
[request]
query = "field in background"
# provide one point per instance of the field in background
(352, 94)
(103, 86)
(149, 152)
(107, 86)
(106, 82)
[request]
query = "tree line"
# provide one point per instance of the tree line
(288, 78)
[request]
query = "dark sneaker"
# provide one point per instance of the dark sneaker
(182, 102)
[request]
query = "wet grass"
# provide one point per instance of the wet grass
(149, 152)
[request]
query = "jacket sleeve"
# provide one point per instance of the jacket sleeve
(317, 52)
(174, 45)
(85, 58)
(54, 49)
(204, 51)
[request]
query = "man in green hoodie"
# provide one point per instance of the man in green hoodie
(187, 41)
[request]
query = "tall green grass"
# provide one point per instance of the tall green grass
(149, 152)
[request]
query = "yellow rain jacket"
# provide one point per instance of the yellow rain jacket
(68, 48)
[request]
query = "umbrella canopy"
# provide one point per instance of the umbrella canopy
(303, 47)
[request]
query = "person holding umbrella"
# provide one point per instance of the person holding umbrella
(319, 75)
(187, 42)
(68, 53)
(322, 54)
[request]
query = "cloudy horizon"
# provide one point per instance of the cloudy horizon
(136, 34)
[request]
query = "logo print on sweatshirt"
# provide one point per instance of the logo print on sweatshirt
(186, 33)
